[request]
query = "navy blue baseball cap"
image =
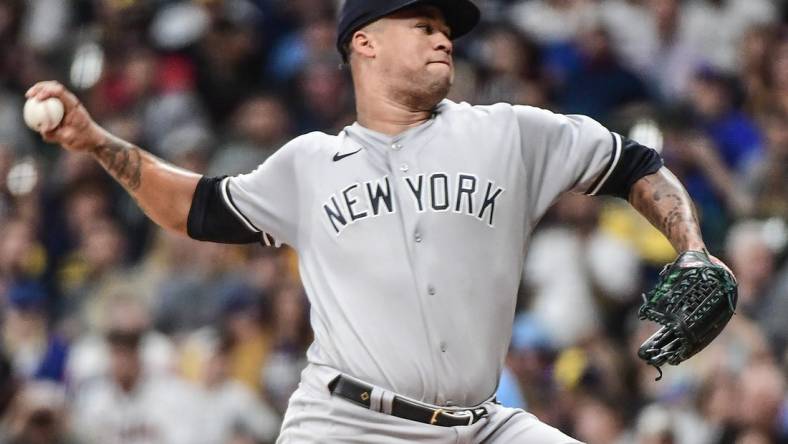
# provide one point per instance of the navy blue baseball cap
(460, 15)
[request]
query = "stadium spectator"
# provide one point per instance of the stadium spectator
(599, 421)
(575, 242)
(552, 21)
(600, 83)
(762, 284)
(734, 134)
(236, 413)
(291, 337)
(766, 180)
(92, 356)
(777, 74)
(21, 255)
(131, 403)
(6, 162)
(717, 26)
(510, 69)
(249, 339)
(760, 404)
(259, 127)
(755, 51)
(39, 414)
(36, 351)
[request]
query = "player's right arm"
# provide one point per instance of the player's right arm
(261, 206)
(163, 191)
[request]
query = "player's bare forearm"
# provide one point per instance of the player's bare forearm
(662, 199)
(162, 190)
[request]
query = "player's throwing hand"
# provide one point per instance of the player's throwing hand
(142, 174)
(77, 131)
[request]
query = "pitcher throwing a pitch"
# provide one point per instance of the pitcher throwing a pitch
(411, 226)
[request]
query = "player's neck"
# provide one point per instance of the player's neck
(379, 113)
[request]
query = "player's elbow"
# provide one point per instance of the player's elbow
(179, 226)
(172, 216)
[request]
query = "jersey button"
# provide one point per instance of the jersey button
(404, 168)
(431, 290)
(417, 237)
(444, 347)
(396, 147)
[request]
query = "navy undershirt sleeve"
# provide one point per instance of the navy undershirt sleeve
(211, 220)
(636, 162)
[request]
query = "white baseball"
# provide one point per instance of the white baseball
(43, 116)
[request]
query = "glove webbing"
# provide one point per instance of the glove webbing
(683, 304)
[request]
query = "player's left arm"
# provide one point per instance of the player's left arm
(638, 175)
(661, 198)
(575, 152)
(695, 296)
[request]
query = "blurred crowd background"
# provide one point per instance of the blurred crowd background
(114, 331)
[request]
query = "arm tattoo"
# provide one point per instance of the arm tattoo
(122, 160)
(664, 202)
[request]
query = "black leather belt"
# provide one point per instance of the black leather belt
(360, 393)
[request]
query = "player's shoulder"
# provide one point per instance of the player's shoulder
(455, 109)
(308, 144)
(472, 117)
(465, 110)
(311, 141)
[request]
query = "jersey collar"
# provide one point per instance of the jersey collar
(411, 139)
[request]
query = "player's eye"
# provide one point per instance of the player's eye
(427, 28)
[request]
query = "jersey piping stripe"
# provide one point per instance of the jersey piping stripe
(228, 199)
(272, 240)
(612, 165)
(267, 239)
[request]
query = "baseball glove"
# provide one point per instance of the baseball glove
(693, 301)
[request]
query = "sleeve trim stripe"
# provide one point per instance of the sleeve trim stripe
(228, 199)
(271, 241)
(614, 158)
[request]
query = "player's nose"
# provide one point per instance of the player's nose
(443, 43)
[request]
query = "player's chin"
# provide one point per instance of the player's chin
(441, 74)
(441, 67)
(439, 87)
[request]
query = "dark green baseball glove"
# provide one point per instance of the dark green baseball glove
(693, 301)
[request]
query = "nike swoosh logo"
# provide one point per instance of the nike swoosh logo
(338, 157)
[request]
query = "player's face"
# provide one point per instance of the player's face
(415, 54)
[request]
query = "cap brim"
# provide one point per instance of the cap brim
(461, 15)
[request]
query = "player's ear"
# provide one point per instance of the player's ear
(363, 44)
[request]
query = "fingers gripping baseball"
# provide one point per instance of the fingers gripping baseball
(77, 131)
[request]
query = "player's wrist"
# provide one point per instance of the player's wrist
(697, 245)
(98, 140)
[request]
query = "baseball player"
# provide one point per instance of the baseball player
(411, 226)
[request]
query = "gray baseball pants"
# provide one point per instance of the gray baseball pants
(315, 416)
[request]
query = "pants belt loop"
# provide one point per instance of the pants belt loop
(375, 399)
(386, 402)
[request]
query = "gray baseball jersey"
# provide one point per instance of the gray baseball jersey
(411, 247)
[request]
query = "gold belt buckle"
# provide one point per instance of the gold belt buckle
(435, 416)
